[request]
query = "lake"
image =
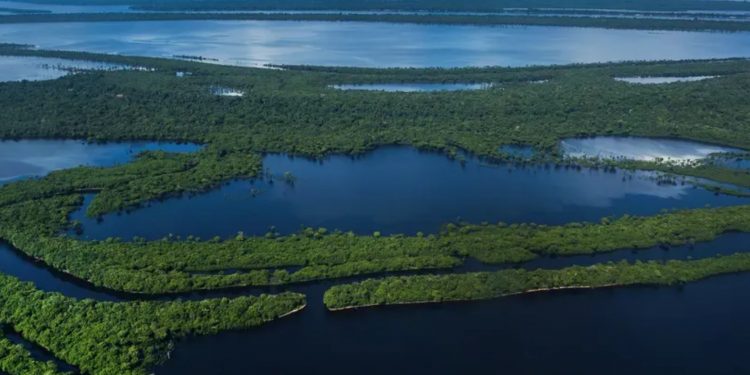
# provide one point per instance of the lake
(256, 43)
(27, 158)
(399, 190)
(638, 148)
(544, 333)
(698, 328)
(19, 68)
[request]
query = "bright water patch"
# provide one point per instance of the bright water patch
(399, 190)
(661, 80)
(18, 68)
(638, 148)
(227, 91)
(26, 158)
(256, 43)
(414, 87)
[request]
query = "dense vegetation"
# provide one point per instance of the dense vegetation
(126, 338)
(172, 265)
(477, 286)
(577, 101)
(294, 111)
(531, 19)
(317, 120)
(16, 360)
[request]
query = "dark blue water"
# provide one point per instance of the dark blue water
(26, 158)
(24, 268)
(699, 328)
(399, 190)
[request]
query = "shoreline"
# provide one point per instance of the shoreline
(529, 291)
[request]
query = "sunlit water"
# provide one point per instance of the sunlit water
(18, 68)
(636, 148)
(413, 87)
(26, 158)
(660, 80)
(255, 43)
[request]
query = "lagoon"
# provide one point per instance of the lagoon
(398, 190)
(28, 68)
(29, 158)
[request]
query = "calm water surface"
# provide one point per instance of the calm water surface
(26, 158)
(696, 329)
(18, 68)
(399, 190)
(57, 8)
(637, 148)
(255, 43)
(660, 80)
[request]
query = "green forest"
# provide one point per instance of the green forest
(235, 133)
(478, 286)
(124, 337)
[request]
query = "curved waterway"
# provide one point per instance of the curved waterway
(656, 325)
(28, 158)
(257, 43)
(698, 328)
(398, 190)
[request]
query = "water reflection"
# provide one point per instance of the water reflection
(255, 43)
(415, 87)
(660, 80)
(399, 190)
(27, 158)
(18, 68)
(637, 148)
